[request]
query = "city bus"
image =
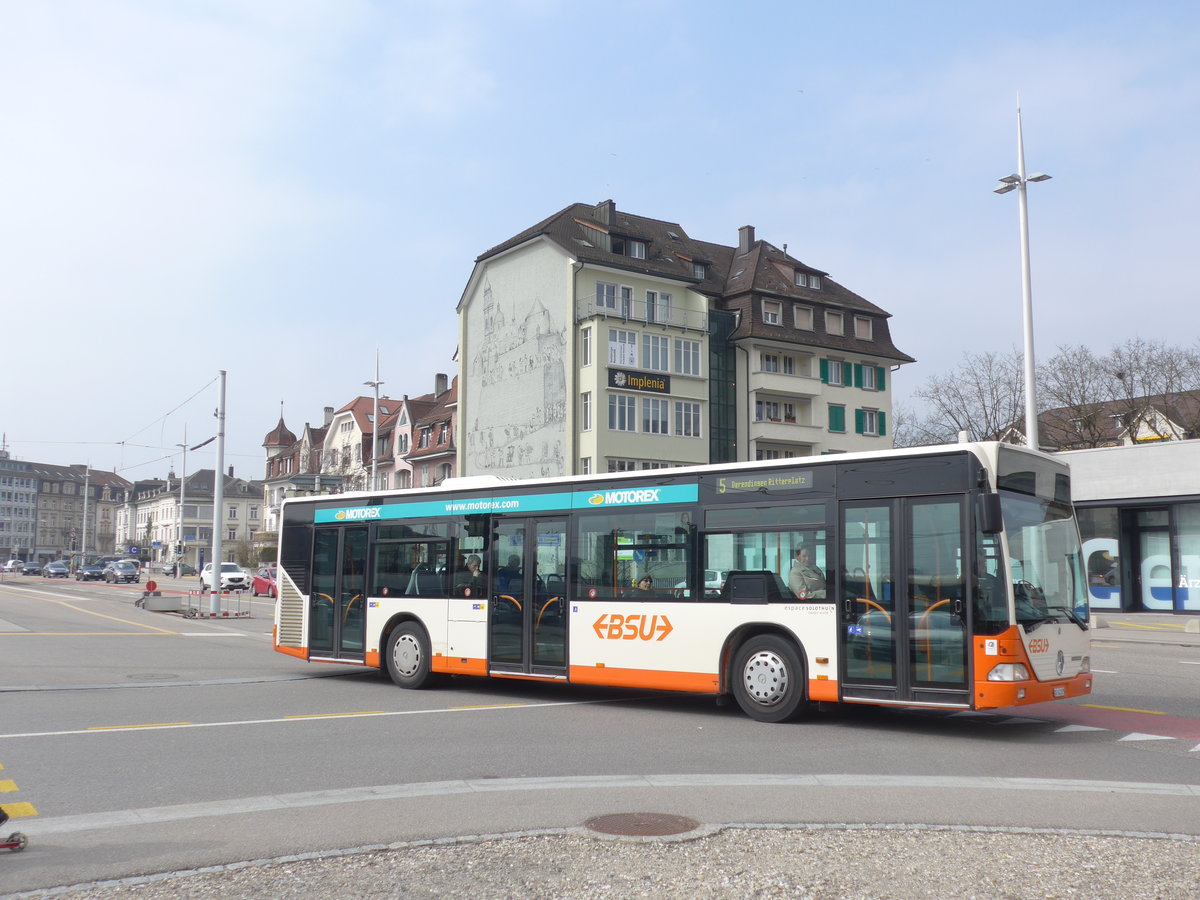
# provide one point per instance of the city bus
(937, 577)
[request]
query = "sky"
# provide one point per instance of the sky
(281, 188)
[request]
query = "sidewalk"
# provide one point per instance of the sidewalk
(1146, 628)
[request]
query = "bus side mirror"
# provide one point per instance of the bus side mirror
(988, 513)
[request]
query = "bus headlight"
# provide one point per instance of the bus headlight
(1009, 672)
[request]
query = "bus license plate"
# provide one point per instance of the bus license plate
(1060, 692)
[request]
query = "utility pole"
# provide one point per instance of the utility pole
(214, 605)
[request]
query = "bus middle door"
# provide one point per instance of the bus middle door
(337, 613)
(527, 631)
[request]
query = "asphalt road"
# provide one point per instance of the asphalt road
(135, 741)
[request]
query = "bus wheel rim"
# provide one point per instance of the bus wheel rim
(407, 655)
(765, 677)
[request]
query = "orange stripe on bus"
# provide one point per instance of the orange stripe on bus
(457, 665)
(373, 659)
(647, 679)
(298, 652)
(823, 689)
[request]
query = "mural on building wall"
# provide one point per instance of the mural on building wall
(517, 408)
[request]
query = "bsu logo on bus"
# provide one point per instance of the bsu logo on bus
(613, 627)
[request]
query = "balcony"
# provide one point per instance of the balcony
(779, 384)
(781, 432)
(638, 311)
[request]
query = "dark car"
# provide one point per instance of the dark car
(92, 571)
(179, 570)
(31, 568)
(57, 569)
(121, 571)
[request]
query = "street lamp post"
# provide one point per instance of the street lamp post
(1018, 182)
(375, 426)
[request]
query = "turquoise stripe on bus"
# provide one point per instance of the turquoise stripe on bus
(423, 509)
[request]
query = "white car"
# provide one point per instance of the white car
(714, 580)
(232, 577)
(14, 565)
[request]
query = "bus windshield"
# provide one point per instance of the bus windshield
(1043, 542)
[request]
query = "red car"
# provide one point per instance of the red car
(263, 583)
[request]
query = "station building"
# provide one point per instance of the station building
(601, 341)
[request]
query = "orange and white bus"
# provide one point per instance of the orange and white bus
(945, 577)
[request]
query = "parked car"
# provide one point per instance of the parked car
(232, 577)
(91, 571)
(178, 570)
(120, 572)
(263, 582)
(714, 580)
(57, 569)
(14, 565)
(31, 568)
(134, 562)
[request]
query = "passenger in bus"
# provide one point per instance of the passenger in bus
(645, 584)
(471, 580)
(805, 579)
(508, 578)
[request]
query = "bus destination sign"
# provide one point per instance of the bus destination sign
(765, 482)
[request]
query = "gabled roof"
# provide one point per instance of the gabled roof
(734, 277)
(441, 412)
(1111, 421)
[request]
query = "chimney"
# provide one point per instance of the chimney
(231, 471)
(440, 384)
(328, 416)
(606, 212)
(745, 238)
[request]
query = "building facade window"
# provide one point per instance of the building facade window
(862, 328)
(585, 347)
(837, 418)
(769, 362)
(869, 422)
(606, 295)
(655, 415)
(585, 411)
(622, 412)
(832, 371)
(687, 357)
(658, 306)
(622, 347)
(834, 323)
(687, 419)
(656, 352)
(766, 410)
(771, 311)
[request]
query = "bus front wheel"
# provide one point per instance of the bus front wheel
(408, 656)
(768, 679)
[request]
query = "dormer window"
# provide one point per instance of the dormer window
(808, 280)
(630, 247)
(771, 311)
(862, 328)
(699, 270)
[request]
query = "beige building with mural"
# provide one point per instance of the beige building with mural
(599, 341)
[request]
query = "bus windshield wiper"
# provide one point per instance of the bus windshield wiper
(1070, 614)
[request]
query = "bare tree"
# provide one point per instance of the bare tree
(984, 397)
(1074, 387)
(1153, 385)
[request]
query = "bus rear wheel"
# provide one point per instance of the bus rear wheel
(408, 656)
(768, 679)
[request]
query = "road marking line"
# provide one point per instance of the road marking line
(20, 810)
(1138, 736)
(1166, 626)
(7, 786)
(1079, 728)
(1149, 712)
(373, 712)
(121, 727)
(1106, 671)
(50, 599)
(166, 726)
(1107, 646)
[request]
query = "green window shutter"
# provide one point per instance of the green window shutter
(880, 384)
(882, 428)
(858, 421)
(824, 371)
(858, 375)
(837, 418)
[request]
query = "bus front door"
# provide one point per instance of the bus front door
(336, 611)
(527, 631)
(903, 607)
